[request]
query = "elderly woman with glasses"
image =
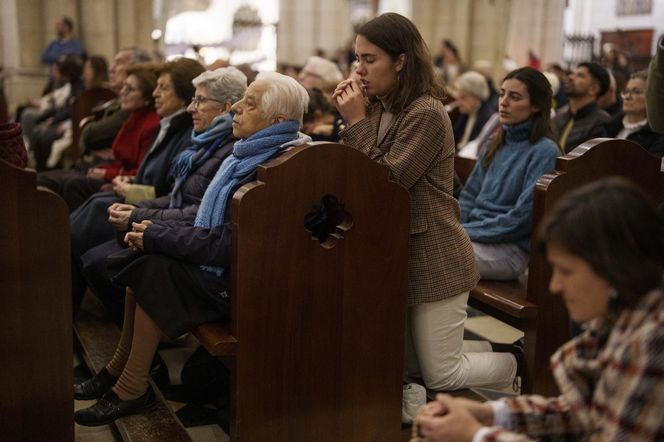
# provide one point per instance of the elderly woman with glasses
(632, 122)
(181, 279)
(129, 146)
(89, 226)
(193, 169)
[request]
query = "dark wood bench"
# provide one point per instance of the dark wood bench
(316, 342)
(36, 400)
(531, 307)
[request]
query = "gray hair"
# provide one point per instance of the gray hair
(283, 95)
(328, 71)
(224, 84)
(138, 55)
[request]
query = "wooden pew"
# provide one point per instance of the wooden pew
(316, 341)
(36, 401)
(532, 308)
(81, 108)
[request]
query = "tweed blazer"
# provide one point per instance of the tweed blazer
(610, 377)
(418, 149)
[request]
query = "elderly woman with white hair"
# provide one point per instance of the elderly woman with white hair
(211, 141)
(472, 100)
(181, 280)
(320, 73)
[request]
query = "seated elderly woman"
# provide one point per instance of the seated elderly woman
(321, 74)
(632, 122)
(322, 121)
(605, 243)
(181, 280)
(472, 94)
(192, 170)
(129, 146)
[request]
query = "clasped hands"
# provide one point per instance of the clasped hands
(119, 214)
(134, 239)
(350, 100)
(453, 419)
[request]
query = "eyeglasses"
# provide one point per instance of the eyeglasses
(198, 100)
(634, 91)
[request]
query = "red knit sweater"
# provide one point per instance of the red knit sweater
(132, 143)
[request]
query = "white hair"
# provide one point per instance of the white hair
(328, 71)
(473, 83)
(224, 84)
(283, 95)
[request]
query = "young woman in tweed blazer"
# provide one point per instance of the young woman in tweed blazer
(605, 243)
(405, 127)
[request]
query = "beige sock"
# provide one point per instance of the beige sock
(133, 381)
(121, 354)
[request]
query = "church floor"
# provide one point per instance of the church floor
(478, 324)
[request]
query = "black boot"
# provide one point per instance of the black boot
(516, 348)
(110, 407)
(95, 387)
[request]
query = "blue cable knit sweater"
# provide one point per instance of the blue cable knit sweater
(497, 203)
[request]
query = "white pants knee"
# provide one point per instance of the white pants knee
(435, 349)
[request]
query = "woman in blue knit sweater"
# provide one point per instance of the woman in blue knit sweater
(497, 200)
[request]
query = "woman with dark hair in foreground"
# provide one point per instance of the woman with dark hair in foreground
(605, 243)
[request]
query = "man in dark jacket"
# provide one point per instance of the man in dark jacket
(583, 119)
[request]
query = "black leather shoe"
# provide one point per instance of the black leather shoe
(94, 387)
(110, 407)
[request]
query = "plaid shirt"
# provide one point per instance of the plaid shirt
(612, 383)
(418, 149)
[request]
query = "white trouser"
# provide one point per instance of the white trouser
(437, 353)
(500, 261)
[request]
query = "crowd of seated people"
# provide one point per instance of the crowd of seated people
(94, 76)
(210, 142)
(130, 144)
(181, 280)
(164, 159)
(43, 120)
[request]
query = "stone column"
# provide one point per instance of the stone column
(305, 25)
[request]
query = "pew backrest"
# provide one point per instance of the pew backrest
(36, 346)
(316, 338)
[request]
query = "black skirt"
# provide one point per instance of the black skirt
(178, 296)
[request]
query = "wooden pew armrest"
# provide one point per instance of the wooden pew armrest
(508, 297)
(217, 339)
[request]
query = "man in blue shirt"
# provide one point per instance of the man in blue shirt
(65, 43)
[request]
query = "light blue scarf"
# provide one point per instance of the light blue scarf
(247, 155)
(204, 145)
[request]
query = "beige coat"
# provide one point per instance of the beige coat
(419, 151)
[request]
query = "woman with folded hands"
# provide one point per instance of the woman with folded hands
(605, 243)
(181, 279)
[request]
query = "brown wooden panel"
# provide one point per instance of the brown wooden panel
(217, 339)
(463, 167)
(319, 329)
(593, 160)
(36, 400)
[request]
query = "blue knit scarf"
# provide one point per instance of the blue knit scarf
(204, 145)
(247, 155)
